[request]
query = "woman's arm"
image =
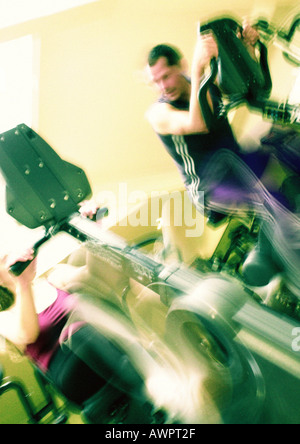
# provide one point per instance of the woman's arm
(19, 324)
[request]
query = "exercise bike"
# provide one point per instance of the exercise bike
(205, 312)
(213, 320)
(244, 80)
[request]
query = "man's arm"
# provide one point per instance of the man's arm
(166, 119)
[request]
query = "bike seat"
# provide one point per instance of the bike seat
(41, 188)
(239, 76)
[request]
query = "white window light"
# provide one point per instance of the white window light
(16, 91)
(13, 12)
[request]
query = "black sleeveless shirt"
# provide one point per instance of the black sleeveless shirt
(192, 152)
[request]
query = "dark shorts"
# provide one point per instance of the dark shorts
(87, 362)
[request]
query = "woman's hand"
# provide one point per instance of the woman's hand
(28, 275)
(20, 325)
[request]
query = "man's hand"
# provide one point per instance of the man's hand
(250, 37)
(206, 49)
(250, 34)
(89, 208)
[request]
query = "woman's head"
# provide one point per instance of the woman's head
(7, 298)
(7, 288)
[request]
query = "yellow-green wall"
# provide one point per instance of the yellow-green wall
(92, 99)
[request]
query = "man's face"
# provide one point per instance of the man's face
(168, 79)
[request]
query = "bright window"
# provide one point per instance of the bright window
(13, 12)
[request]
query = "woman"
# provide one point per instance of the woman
(79, 369)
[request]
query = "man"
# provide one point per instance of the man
(177, 116)
(178, 121)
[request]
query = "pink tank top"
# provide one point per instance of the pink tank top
(51, 323)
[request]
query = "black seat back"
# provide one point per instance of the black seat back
(239, 76)
(41, 188)
(238, 73)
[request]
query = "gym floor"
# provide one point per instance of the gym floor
(12, 411)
